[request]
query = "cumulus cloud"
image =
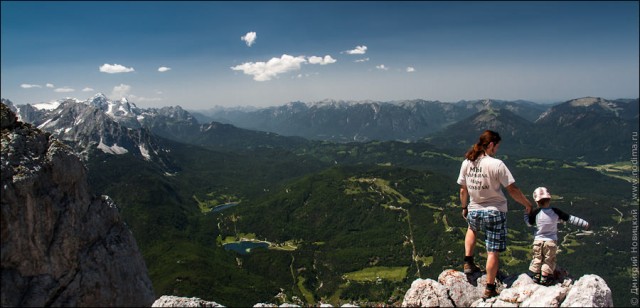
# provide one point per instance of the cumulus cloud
(64, 90)
(382, 67)
(362, 60)
(359, 50)
(322, 61)
(115, 68)
(410, 69)
(249, 38)
(121, 90)
(264, 71)
(29, 86)
(49, 85)
(87, 89)
(163, 69)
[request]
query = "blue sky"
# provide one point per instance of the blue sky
(202, 54)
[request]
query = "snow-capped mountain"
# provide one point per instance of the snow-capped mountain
(97, 124)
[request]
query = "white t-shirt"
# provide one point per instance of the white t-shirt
(483, 179)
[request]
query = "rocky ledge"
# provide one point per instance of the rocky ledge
(455, 289)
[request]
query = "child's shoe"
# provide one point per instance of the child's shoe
(536, 277)
(546, 281)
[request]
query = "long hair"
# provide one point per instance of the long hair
(483, 142)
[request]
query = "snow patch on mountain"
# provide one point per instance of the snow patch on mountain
(114, 149)
(47, 106)
(144, 152)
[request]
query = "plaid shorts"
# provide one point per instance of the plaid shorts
(494, 225)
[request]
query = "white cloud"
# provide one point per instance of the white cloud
(264, 71)
(410, 69)
(382, 67)
(249, 38)
(121, 90)
(87, 89)
(29, 86)
(64, 90)
(163, 69)
(115, 68)
(359, 50)
(362, 60)
(49, 85)
(322, 61)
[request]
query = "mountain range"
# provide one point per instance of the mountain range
(560, 130)
(344, 121)
(555, 131)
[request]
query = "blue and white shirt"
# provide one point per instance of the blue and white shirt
(546, 220)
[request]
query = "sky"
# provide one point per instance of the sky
(203, 54)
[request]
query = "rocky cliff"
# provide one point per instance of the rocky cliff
(61, 245)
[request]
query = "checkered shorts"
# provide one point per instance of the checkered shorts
(494, 225)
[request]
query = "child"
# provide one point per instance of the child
(546, 219)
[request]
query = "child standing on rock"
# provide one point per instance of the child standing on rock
(546, 218)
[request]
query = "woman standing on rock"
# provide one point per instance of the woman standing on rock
(484, 205)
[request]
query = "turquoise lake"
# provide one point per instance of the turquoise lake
(244, 247)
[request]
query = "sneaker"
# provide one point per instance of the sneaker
(546, 281)
(470, 268)
(536, 278)
(489, 293)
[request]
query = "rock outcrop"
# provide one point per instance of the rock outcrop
(176, 301)
(61, 245)
(455, 289)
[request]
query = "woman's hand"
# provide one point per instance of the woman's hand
(465, 211)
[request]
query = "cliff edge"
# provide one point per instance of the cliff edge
(61, 245)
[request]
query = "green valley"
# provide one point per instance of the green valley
(343, 223)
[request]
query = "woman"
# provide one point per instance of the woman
(481, 178)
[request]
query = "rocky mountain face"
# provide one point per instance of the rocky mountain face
(61, 245)
(112, 127)
(364, 121)
(120, 127)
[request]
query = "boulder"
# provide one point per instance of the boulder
(427, 293)
(589, 291)
(175, 301)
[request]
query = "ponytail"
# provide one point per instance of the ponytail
(479, 148)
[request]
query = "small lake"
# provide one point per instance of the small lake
(244, 247)
(224, 206)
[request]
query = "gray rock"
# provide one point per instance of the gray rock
(427, 293)
(61, 245)
(589, 291)
(175, 301)
(456, 288)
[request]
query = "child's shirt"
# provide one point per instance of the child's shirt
(546, 220)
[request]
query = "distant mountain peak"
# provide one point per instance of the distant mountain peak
(586, 101)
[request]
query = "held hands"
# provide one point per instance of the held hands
(528, 209)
